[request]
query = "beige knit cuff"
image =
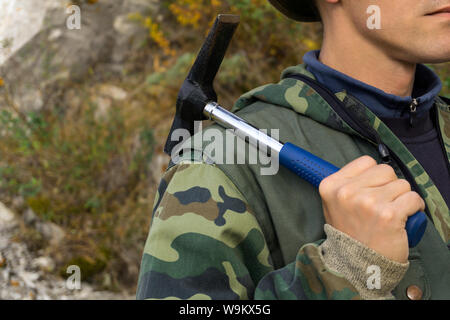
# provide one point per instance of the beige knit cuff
(372, 274)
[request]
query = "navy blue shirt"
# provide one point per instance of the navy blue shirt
(421, 138)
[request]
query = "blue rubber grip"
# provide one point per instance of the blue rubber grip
(314, 169)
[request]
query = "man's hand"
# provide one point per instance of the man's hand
(368, 202)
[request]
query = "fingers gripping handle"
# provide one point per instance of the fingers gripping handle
(314, 169)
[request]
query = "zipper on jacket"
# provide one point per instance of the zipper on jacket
(334, 102)
(412, 111)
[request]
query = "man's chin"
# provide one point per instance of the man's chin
(435, 54)
(438, 59)
(423, 58)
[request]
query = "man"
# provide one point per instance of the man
(226, 232)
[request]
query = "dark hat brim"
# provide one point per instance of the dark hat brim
(300, 10)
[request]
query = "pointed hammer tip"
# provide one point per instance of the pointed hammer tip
(229, 18)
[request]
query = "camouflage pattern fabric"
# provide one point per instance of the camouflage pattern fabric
(205, 243)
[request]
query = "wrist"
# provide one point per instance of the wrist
(372, 274)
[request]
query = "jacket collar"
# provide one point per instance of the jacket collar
(426, 88)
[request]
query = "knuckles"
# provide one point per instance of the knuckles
(345, 193)
(326, 187)
(404, 184)
(368, 203)
(418, 198)
(388, 171)
(387, 216)
(368, 160)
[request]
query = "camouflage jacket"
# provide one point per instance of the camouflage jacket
(225, 232)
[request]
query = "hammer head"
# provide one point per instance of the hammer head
(197, 90)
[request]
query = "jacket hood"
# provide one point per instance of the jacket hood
(298, 96)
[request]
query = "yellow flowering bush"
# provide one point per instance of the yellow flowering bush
(157, 35)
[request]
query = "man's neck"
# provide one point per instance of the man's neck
(366, 62)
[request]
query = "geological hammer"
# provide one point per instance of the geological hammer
(197, 101)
